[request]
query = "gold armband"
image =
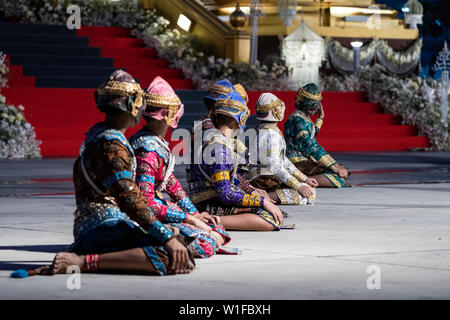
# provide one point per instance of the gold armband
(327, 160)
(318, 123)
(219, 176)
(251, 201)
(293, 183)
(300, 175)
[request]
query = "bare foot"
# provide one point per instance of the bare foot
(63, 260)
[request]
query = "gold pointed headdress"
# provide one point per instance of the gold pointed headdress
(304, 93)
(241, 90)
(115, 86)
(160, 94)
(275, 106)
(234, 106)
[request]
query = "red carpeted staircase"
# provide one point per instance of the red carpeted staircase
(353, 124)
(130, 54)
(61, 112)
(57, 91)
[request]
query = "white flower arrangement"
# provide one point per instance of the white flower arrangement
(414, 99)
(17, 136)
(3, 70)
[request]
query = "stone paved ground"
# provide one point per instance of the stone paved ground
(395, 219)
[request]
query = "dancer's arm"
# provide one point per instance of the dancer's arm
(119, 184)
(271, 141)
(148, 166)
(178, 195)
(221, 178)
(319, 121)
(305, 142)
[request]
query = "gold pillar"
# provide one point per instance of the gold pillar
(237, 47)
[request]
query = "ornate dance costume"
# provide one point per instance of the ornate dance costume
(155, 165)
(111, 213)
(204, 123)
(274, 171)
(213, 184)
(301, 138)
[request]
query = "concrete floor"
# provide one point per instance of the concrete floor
(394, 220)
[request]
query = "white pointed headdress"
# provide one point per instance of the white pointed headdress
(269, 108)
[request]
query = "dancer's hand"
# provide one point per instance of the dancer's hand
(196, 222)
(272, 208)
(312, 182)
(209, 219)
(340, 170)
(175, 230)
(321, 112)
(305, 191)
(262, 193)
(179, 256)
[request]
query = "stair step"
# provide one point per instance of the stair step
(115, 42)
(289, 96)
(41, 39)
(49, 50)
(37, 94)
(122, 62)
(369, 144)
(368, 131)
(191, 95)
(44, 29)
(63, 71)
(103, 31)
(146, 72)
(95, 82)
(21, 81)
(31, 59)
(68, 82)
(129, 52)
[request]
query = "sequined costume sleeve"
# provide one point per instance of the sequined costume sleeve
(220, 173)
(148, 164)
(244, 184)
(118, 183)
(307, 144)
(177, 194)
(300, 176)
(273, 142)
(318, 124)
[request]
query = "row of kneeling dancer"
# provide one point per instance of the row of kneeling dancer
(133, 215)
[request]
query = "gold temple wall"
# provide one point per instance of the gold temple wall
(222, 39)
(324, 18)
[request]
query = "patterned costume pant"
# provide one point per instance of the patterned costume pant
(119, 235)
(284, 193)
(311, 168)
(217, 208)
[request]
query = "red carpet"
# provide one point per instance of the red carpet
(62, 116)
